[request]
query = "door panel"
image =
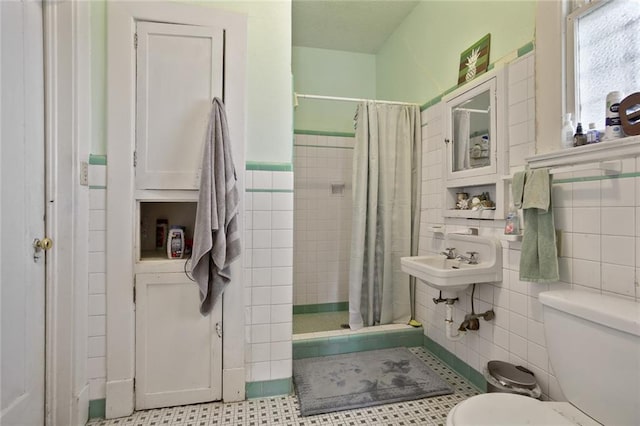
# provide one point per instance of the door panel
(21, 214)
(179, 71)
(178, 351)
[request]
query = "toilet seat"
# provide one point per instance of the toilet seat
(504, 409)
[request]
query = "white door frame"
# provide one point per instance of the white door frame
(121, 62)
(67, 109)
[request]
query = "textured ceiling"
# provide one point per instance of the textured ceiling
(351, 25)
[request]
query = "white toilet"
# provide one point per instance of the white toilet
(593, 341)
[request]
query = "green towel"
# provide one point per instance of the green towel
(539, 254)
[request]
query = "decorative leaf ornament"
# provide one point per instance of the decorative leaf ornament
(471, 64)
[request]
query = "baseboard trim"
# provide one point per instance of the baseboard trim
(268, 388)
(97, 408)
(334, 345)
(456, 364)
(321, 307)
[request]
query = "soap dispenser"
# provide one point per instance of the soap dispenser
(567, 132)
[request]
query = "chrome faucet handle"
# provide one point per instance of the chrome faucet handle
(473, 257)
(451, 254)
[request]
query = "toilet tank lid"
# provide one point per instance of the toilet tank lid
(611, 311)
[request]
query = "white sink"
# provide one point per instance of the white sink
(455, 275)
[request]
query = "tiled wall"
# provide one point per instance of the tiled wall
(268, 274)
(322, 219)
(96, 364)
(599, 220)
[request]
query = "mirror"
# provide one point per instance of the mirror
(471, 132)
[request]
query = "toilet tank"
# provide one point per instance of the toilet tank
(593, 341)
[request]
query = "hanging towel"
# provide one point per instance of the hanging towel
(216, 240)
(539, 255)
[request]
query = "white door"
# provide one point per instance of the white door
(179, 71)
(178, 351)
(21, 214)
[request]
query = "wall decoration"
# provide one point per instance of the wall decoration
(474, 60)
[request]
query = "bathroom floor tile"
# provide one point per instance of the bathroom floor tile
(284, 410)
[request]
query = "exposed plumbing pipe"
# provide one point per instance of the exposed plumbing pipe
(448, 320)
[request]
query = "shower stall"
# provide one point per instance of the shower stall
(346, 268)
(323, 168)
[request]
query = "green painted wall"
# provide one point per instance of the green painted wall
(420, 60)
(331, 73)
(269, 106)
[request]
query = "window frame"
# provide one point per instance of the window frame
(572, 100)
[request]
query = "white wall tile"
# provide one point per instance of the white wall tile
(619, 250)
(96, 346)
(281, 369)
(97, 199)
(97, 325)
(586, 246)
(283, 180)
(586, 220)
(261, 201)
(618, 221)
(262, 179)
(618, 279)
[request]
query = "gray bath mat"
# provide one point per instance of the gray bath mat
(363, 379)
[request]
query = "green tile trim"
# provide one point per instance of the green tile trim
(97, 408)
(97, 160)
(595, 178)
(268, 388)
(321, 307)
(431, 103)
(324, 133)
(526, 49)
(357, 343)
(476, 378)
(521, 52)
(269, 167)
(97, 187)
(325, 146)
(287, 191)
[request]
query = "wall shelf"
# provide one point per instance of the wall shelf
(600, 152)
(470, 214)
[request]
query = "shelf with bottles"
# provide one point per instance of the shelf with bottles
(475, 201)
(155, 220)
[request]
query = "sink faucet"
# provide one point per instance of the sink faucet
(450, 252)
(471, 260)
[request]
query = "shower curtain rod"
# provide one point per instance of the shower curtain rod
(336, 98)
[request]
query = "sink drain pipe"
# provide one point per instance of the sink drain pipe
(453, 333)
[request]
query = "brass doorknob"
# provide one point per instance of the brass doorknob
(43, 244)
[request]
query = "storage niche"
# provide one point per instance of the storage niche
(158, 216)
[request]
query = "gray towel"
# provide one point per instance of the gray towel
(216, 240)
(539, 255)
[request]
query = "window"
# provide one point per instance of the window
(604, 56)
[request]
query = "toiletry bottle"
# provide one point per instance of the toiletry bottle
(567, 132)
(175, 242)
(613, 129)
(512, 224)
(593, 135)
(579, 138)
(162, 226)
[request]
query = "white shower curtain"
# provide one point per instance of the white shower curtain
(461, 126)
(386, 212)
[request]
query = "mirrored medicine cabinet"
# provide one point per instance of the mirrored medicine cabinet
(475, 154)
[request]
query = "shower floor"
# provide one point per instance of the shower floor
(322, 321)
